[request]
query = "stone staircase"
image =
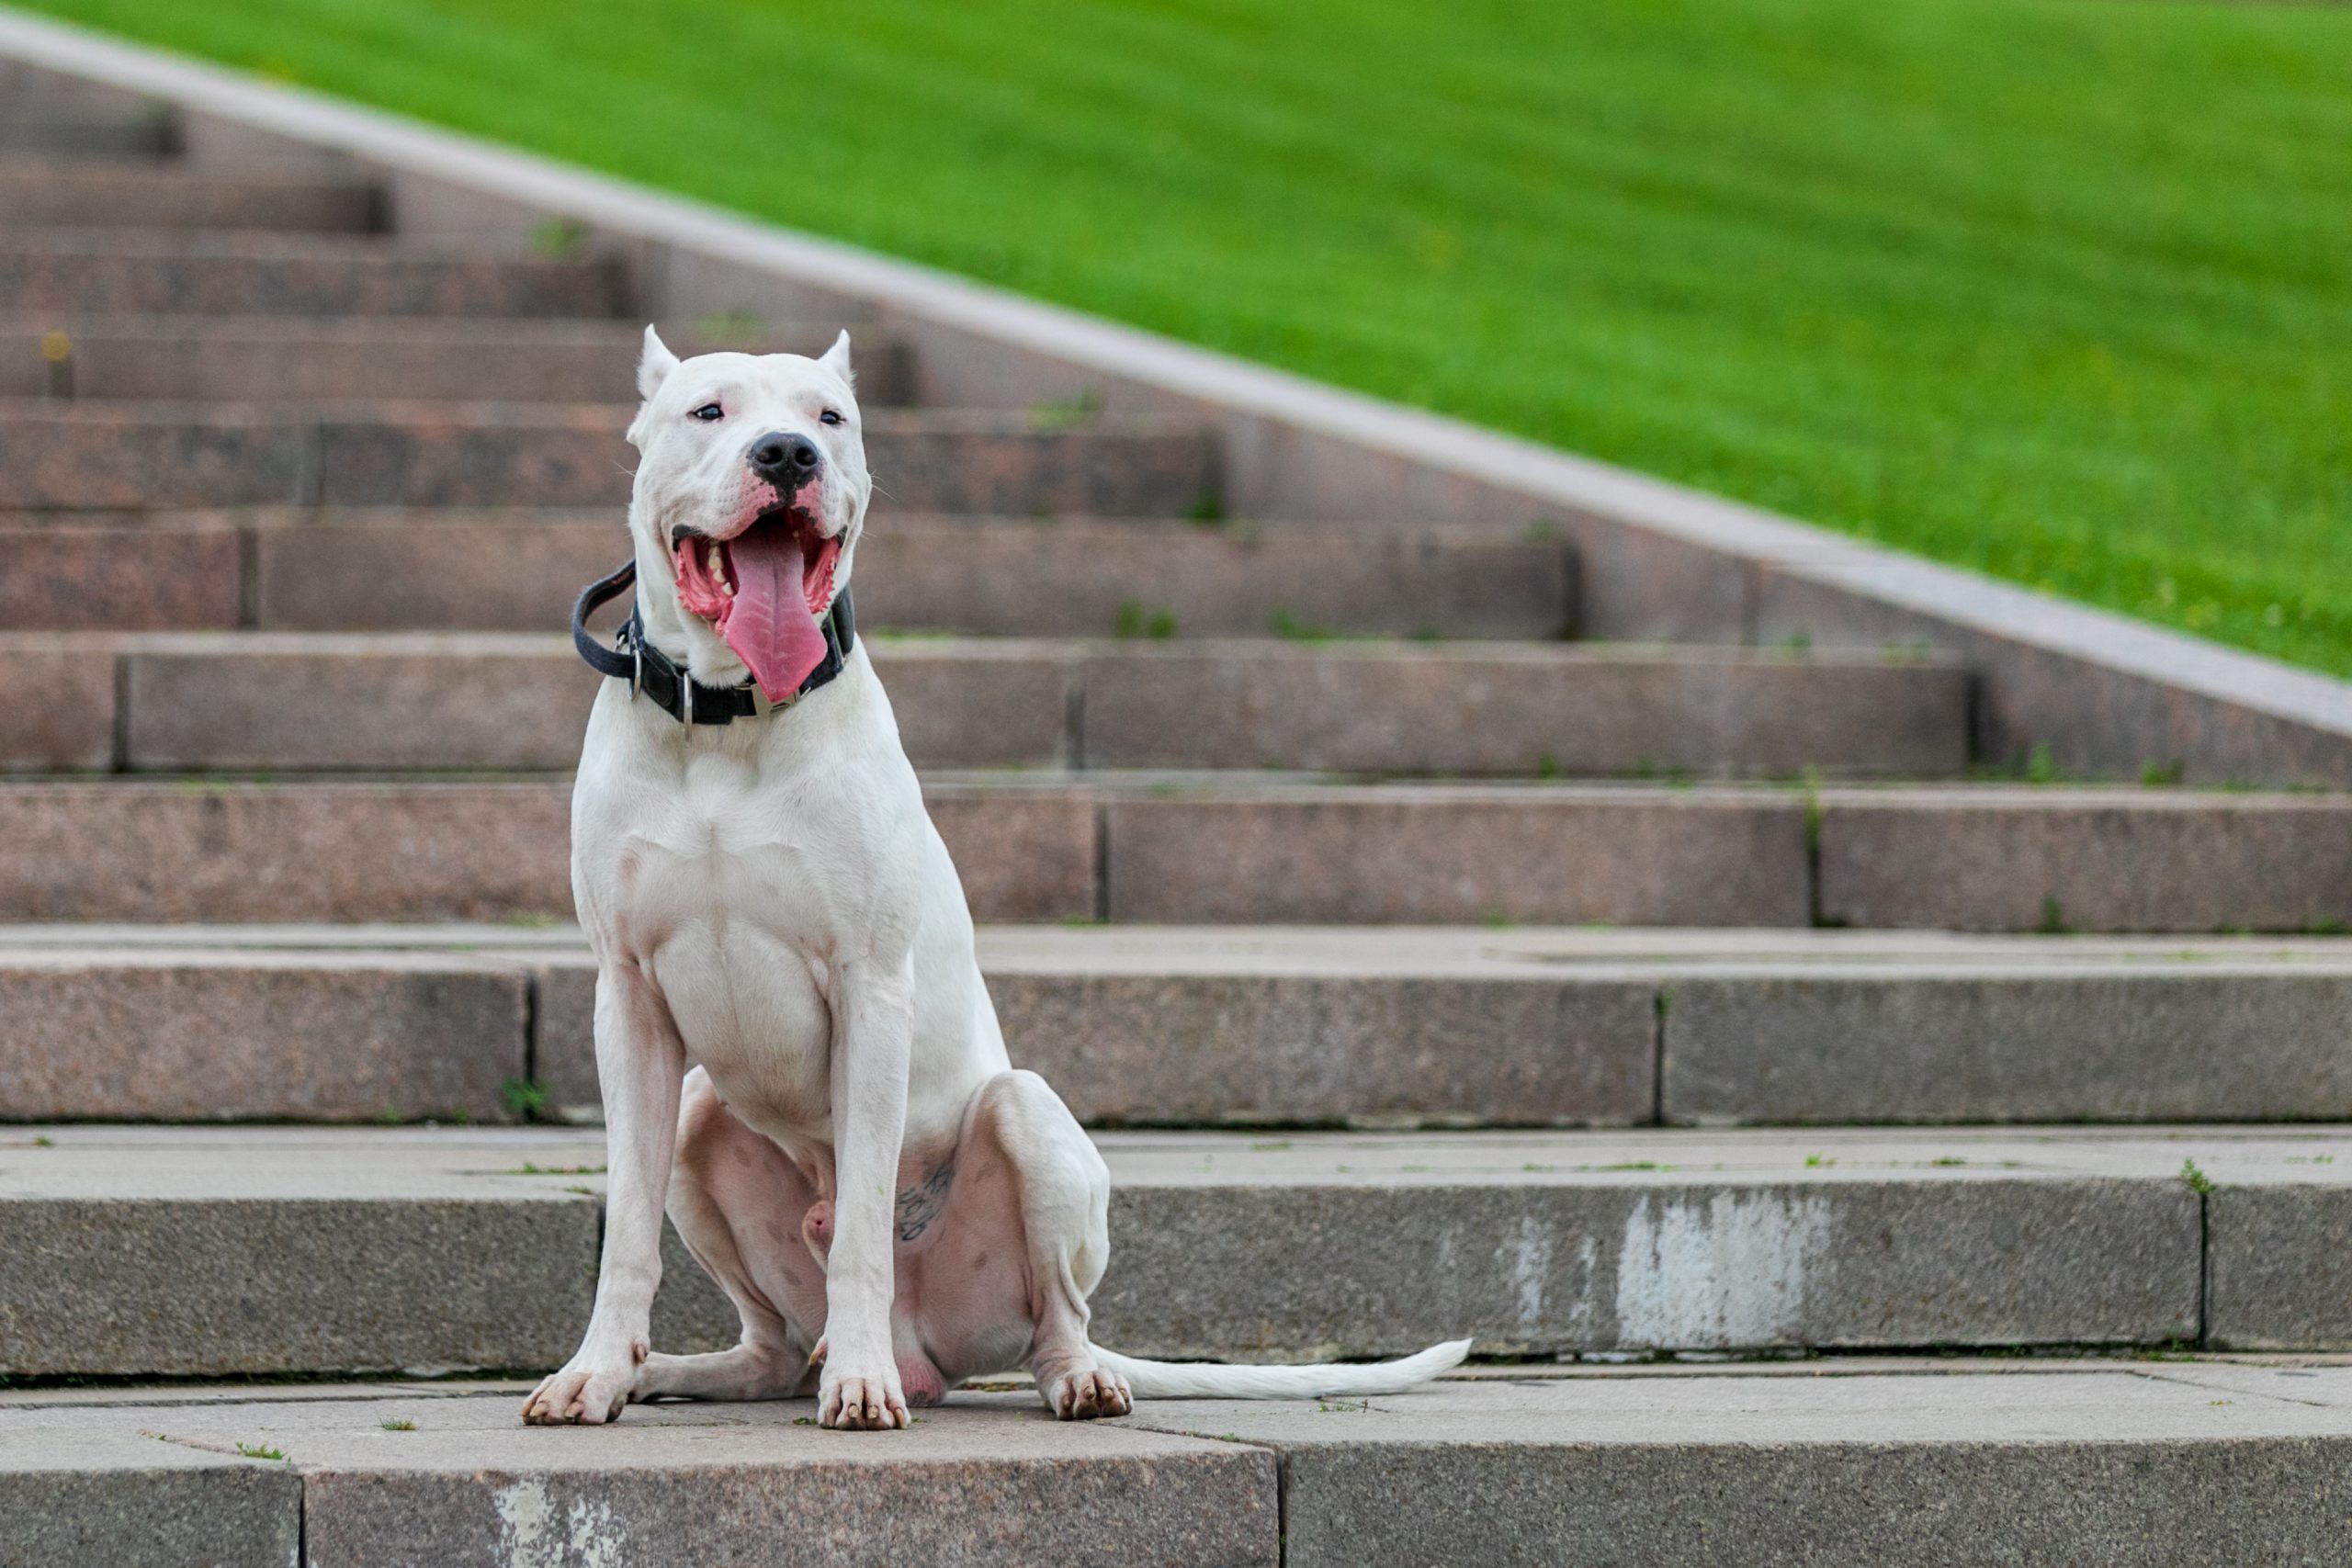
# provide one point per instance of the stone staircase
(1427, 970)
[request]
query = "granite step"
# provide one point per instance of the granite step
(324, 701)
(44, 113)
(101, 454)
(393, 570)
(1261, 1027)
(298, 359)
(84, 194)
(1847, 1463)
(88, 136)
(152, 273)
(1250, 849)
(190, 1251)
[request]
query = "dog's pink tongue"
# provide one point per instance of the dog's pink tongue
(769, 625)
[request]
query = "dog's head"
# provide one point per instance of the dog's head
(751, 494)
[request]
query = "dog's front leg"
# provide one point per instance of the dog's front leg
(874, 1018)
(640, 1063)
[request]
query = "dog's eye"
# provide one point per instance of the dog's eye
(830, 416)
(709, 411)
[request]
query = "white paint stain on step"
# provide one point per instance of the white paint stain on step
(1725, 1270)
(1530, 1269)
(537, 1534)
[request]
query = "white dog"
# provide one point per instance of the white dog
(852, 1156)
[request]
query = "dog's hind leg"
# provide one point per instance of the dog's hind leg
(738, 1202)
(1030, 1212)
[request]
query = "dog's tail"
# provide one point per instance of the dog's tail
(1211, 1380)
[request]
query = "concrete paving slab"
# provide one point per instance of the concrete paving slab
(2278, 1257)
(157, 1033)
(1388, 1027)
(1156, 848)
(2091, 859)
(320, 1250)
(359, 702)
(99, 271)
(368, 568)
(2050, 1041)
(298, 359)
(74, 193)
(65, 456)
(262, 1252)
(465, 1483)
(176, 575)
(2112, 1469)
(108, 1493)
(1865, 1462)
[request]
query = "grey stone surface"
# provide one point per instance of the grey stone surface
(372, 570)
(469, 700)
(1315, 1246)
(167, 576)
(1986, 858)
(128, 271)
(1075, 577)
(230, 850)
(2279, 1273)
(980, 704)
(194, 1250)
(1370, 708)
(1386, 1026)
(1950, 1463)
(1954, 1461)
(2106, 694)
(260, 1252)
(282, 359)
(341, 851)
(1024, 854)
(326, 702)
(200, 1036)
(130, 454)
(83, 194)
(2050, 1042)
(1689, 1266)
(1820, 1472)
(57, 709)
(389, 569)
(987, 1482)
(1383, 1026)
(1282, 1044)
(1417, 853)
(78, 1493)
(1191, 1048)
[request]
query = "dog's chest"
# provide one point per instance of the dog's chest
(738, 911)
(755, 1014)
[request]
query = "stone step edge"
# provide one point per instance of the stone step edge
(1423, 1028)
(1107, 845)
(320, 704)
(1224, 1244)
(2053, 1462)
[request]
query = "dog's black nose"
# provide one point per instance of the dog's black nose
(784, 459)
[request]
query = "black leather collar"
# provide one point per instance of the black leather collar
(652, 673)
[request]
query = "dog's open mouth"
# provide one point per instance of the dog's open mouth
(763, 590)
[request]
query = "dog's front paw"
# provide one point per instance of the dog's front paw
(1084, 1394)
(849, 1400)
(590, 1390)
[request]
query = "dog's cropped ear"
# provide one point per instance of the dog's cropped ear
(653, 365)
(836, 360)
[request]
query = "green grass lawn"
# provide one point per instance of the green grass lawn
(2062, 290)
